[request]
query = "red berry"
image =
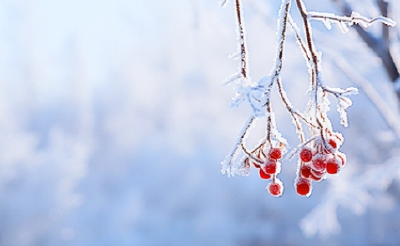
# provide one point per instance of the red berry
(306, 154)
(256, 165)
(275, 188)
(305, 171)
(332, 143)
(275, 154)
(333, 166)
(315, 177)
(303, 187)
(271, 167)
(319, 164)
(342, 157)
(264, 175)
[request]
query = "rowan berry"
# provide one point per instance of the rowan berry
(332, 143)
(275, 153)
(264, 175)
(271, 167)
(342, 157)
(255, 164)
(306, 154)
(318, 163)
(315, 177)
(305, 171)
(303, 187)
(333, 165)
(275, 188)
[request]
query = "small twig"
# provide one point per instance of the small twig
(299, 39)
(282, 27)
(241, 33)
(249, 154)
(227, 163)
(355, 18)
(289, 108)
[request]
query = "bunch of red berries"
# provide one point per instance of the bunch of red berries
(317, 161)
(269, 167)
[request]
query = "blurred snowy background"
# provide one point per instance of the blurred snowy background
(113, 124)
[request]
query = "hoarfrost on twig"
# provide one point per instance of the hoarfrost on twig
(345, 21)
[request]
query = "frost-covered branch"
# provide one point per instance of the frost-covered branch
(294, 115)
(319, 155)
(354, 18)
(242, 40)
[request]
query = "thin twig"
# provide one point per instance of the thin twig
(289, 108)
(242, 38)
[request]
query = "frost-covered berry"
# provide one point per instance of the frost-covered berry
(271, 167)
(303, 187)
(275, 188)
(264, 175)
(255, 164)
(318, 163)
(332, 143)
(342, 157)
(317, 175)
(305, 171)
(275, 154)
(333, 166)
(306, 154)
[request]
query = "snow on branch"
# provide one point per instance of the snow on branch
(344, 21)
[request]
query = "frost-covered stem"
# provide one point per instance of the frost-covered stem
(315, 78)
(227, 163)
(250, 153)
(242, 39)
(289, 108)
(282, 27)
(269, 122)
(307, 28)
(299, 39)
(311, 48)
(353, 19)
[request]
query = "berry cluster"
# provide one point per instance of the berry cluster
(317, 158)
(317, 161)
(269, 167)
